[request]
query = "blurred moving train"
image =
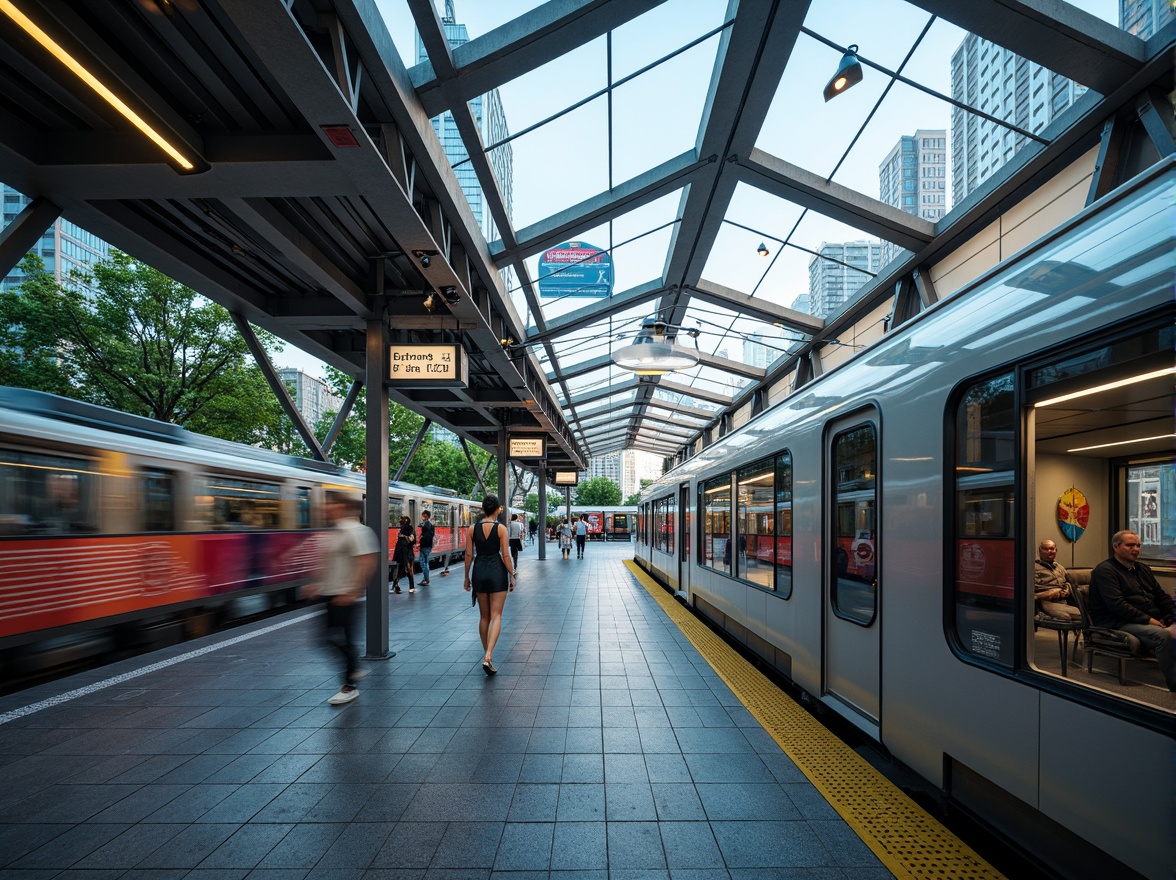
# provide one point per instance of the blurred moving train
(120, 532)
(872, 536)
(604, 523)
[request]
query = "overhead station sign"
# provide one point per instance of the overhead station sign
(527, 447)
(567, 478)
(423, 365)
(575, 268)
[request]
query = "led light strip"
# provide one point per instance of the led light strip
(7, 7)
(1143, 377)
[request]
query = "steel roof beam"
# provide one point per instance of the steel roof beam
(1058, 36)
(522, 45)
(801, 187)
(756, 307)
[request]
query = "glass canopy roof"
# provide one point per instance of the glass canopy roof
(612, 144)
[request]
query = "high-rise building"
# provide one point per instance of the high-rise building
(761, 349)
(605, 466)
(1005, 86)
(913, 178)
(839, 271)
(312, 396)
(1144, 17)
(65, 248)
(491, 122)
(635, 467)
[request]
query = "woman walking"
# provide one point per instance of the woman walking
(405, 554)
(565, 538)
(488, 551)
(516, 539)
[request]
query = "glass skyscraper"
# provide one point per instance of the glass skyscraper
(1006, 86)
(491, 122)
(913, 178)
(64, 247)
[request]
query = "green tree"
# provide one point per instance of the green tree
(635, 498)
(30, 344)
(143, 344)
(599, 491)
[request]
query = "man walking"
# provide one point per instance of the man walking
(349, 560)
(425, 544)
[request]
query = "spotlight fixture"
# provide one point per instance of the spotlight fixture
(849, 73)
(762, 250)
(653, 352)
(450, 294)
(425, 261)
(426, 257)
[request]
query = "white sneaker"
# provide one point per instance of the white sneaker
(346, 694)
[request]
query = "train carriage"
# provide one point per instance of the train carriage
(872, 536)
(117, 529)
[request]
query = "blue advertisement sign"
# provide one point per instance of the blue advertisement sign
(575, 268)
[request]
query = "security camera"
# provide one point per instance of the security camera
(425, 261)
(450, 294)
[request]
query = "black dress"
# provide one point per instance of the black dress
(489, 574)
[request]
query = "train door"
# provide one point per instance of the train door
(684, 539)
(852, 644)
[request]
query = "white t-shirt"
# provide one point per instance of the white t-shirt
(516, 528)
(341, 545)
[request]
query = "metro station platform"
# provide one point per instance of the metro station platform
(607, 746)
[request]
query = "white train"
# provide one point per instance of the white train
(872, 536)
(121, 532)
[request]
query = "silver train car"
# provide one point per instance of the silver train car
(122, 533)
(872, 537)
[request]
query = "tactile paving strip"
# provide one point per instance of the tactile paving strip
(908, 841)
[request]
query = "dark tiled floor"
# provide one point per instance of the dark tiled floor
(604, 748)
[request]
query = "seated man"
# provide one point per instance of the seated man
(1124, 595)
(1049, 584)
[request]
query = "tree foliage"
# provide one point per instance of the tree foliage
(598, 491)
(141, 343)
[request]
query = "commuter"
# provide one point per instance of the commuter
(405, 555)
(425, 542)
(581, 535)
(1124, 595)
(350, 552)
(532, 530)
(516, 539)
(488, 553)
(565, 538)
(1049, 584)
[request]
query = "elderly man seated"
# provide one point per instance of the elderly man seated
(1049, 584)
(1125, 595)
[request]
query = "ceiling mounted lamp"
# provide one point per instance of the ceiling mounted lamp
(81, 72)
(653, 353)
(849, 73)
(762, 250)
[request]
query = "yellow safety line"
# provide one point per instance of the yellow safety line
(908, 841)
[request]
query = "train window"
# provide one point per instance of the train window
(985, 422)
(159, 501)
(664, 524)
(854, 557)
(716, 524)
(440, 515)
(1150, 491)
(47, 494)
(302, 508)
(239, 504)
(784, 524)
(755, 526)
